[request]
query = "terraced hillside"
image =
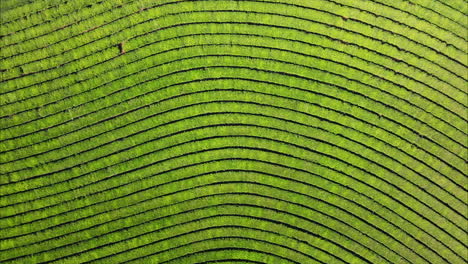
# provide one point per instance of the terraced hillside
(233, 131)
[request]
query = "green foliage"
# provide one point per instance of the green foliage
(246, 131)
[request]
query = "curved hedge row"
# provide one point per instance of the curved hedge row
(252, 131)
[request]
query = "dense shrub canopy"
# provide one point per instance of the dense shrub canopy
(252, 131)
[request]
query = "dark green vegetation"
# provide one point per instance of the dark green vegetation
(251, 131)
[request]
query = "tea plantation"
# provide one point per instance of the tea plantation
(234, 131)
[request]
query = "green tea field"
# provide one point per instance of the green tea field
(234, 131)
